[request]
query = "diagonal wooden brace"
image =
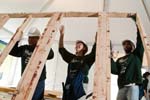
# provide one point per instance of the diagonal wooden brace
(31, 75)
(3, 20)
(14, 39)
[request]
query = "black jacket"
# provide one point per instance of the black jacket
(25, 53)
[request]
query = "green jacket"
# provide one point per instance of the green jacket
(128, 68)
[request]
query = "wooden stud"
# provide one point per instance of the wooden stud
(31, 75)
(7, 90)
(100, 79)
(108, 79)
(69, 14)
(142, 33)
(3, 20)
(16, 37)
(106, 5)
(108, 63)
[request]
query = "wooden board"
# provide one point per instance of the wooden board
(100, 79)
(31, 75)
(69, 14)
(3, 20)
(143, 35)
(16, 37)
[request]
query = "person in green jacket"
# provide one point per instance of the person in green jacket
(128, 69)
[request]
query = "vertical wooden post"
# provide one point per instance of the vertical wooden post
(108, 63)
(14, 39)
(31, 75)
(108, 84)
(142, 33)
(3, 20)
(106, 5)
(102, 58)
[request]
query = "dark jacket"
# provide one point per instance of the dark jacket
(128, 68)
(78, 68)
(25, 53)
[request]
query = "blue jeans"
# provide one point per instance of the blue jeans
(39, 91)
(128, 93)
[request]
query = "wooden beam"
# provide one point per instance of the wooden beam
(100, 79)
(3, 20)
(143, 34)
(106, 5)
(108, 79)
(7, 90)
(108, 64)
(69, 14)
(49, 14)
(31, 75)
(120, 15)
(14, 39)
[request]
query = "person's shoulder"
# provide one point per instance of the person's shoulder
(120, 59)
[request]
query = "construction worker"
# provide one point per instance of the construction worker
(146, 81)
(25, 52)
(79, 65)
(128, 69)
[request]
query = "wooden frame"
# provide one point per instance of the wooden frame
(14, 39)
(143, 37)
(100, 87)
(3, 20)
(101, 90)
(36, 64)
(69, 14)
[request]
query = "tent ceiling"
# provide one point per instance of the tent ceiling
(79, 28)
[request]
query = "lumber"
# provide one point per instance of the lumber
(108, 83)
(143, 34)
(70, 14)
(3, 20)
(31, 75)
(7, 89)
(16, 37)
(100, 79)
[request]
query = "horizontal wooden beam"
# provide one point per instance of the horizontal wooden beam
(69, 14)
(48, 94)
(7, 90)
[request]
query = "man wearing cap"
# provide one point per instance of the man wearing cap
(25, 52)
(128, 69)
(79, 65)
